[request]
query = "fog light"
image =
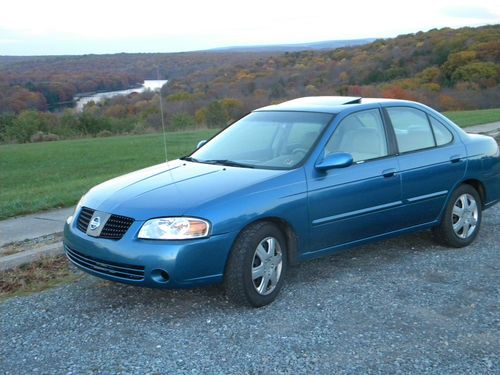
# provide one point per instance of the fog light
(160, 276)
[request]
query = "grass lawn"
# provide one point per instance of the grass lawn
(39, 176)
(469, 118)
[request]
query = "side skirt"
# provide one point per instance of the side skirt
(345, 246)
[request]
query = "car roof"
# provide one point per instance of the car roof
(326, 104)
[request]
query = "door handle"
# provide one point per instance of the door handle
(455, 158)
(389, 172)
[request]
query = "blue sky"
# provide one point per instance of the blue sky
(54, 27)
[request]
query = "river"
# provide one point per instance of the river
(81, 100)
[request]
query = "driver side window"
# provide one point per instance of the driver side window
(360, 134)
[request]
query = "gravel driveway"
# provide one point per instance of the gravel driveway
(398, 306)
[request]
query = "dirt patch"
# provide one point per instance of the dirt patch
(43, 274)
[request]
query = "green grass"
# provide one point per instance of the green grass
(469, 118)
(39, 176)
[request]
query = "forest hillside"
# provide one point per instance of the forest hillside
(449, 69)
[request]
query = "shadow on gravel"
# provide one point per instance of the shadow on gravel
(364, 258)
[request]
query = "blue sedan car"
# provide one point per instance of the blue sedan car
(286, 183)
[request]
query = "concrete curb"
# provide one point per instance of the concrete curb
(39, 225)
(491, 127)
(492, 133)
(29, 256)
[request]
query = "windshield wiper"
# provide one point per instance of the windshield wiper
(229, 163)
(189, 158)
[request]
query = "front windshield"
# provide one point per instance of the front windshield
(265, 140)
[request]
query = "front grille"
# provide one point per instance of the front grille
(121, 270)
(84, 218)
(114, 229)
(116, 226)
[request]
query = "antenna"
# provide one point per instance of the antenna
(165, 136)
(162, 117)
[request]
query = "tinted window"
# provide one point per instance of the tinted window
(412, 129)
(441, 133)
(361, 134)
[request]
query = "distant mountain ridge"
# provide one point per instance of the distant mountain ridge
(327, 44)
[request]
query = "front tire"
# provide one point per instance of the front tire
(257, 265)
(462, 218)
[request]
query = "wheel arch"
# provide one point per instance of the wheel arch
(475, 184)
(479, 187)
(290, 237)
(286, 229)
(445, 232)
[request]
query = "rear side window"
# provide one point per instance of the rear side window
(441, 133)
(413, 131)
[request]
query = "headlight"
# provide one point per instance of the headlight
(174, 228)
(70, 219)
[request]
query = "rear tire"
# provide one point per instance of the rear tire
(462, 218)
(257, 265)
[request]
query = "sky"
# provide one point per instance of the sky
(63, 27)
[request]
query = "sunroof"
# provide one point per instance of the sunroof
(323, 101)
(354, 101)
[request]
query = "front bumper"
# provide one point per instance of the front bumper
(150, 263)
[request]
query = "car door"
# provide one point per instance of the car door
(359, 201)
(431, 162)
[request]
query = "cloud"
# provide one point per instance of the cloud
(470, 12)
(97, 26)
(8, 41)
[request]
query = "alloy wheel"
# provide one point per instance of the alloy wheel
(267, 265)
(464, 216)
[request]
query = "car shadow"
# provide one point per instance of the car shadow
(375, 256)
(354, 263)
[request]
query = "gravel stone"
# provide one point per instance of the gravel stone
(400, 306)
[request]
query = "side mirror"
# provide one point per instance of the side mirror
(201, 143)
(335, 160)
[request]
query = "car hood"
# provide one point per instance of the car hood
(171, 188)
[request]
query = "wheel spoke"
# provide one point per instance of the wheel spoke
(473, 206)
(467, 200)
(458, 211)
(262, 253)
(465, 233)
(274, 277)
(263, 284)
(277, 259)
(257, 272)
(458, 225)
(463, 201)
(272, 246)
